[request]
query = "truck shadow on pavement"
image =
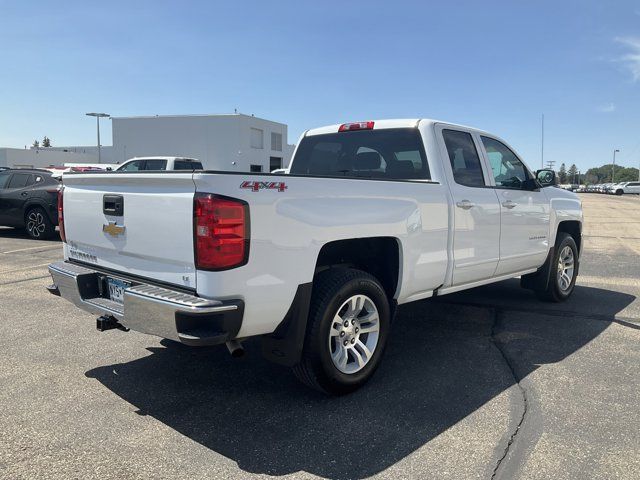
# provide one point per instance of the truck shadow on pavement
(441, 365)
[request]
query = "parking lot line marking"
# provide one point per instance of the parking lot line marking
(31, 267)
(629, 282)
(30, 248)
(22, 280)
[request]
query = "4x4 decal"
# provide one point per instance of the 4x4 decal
(257, 186)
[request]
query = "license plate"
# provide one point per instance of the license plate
(116, 289)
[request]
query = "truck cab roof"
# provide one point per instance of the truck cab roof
(386, 123)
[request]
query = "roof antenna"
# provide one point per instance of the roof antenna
(235, 110)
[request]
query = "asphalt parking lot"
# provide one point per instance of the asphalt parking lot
(488, 383)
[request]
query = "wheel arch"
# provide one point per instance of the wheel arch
(378, 256)
(573, 228)
(36, 203)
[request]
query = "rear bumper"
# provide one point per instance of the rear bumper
(150, 309)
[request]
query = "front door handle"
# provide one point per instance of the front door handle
(465, 204)
(24, 194)
(508, 204)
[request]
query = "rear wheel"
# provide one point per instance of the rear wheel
(562, 271)
(347, 331)
(38, 225)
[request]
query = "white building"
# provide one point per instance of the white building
(234, 142)
(41, 157)
(106, 152)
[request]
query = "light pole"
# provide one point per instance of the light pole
(613, 168)
(98, 117)
(542, 143)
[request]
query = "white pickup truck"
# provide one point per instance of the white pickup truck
(371, 215)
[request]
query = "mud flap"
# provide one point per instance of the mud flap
(540, 279)
(284, 345)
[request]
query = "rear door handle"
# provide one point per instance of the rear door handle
(508, 204)
(24, 194)
(465, 204)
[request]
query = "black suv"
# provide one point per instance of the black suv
(29, 199)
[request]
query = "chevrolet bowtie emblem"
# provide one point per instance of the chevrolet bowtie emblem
(112, 229)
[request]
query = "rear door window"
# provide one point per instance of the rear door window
(187, 165)
(19, 180)
(464, 158)
(392, 154)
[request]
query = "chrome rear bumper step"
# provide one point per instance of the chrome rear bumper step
(149, 308)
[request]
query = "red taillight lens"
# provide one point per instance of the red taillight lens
(221, 232)
(61, 214)
(348, 127)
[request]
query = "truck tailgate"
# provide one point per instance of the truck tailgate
(157, 215)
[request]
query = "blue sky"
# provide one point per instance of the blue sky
(493, 65)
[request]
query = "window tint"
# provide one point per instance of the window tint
(394, 153)
(32, 180)
(465, 162)
(187, 165)
(132, 166)
(19, 180)
(507, 169)
(155, 164)
(255, 168)
(4, 179)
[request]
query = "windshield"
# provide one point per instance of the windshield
(394, 153)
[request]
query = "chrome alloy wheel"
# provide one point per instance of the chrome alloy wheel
(565, 268)
(354, 333)
(35, 224)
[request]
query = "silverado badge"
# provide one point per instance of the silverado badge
(112, 229)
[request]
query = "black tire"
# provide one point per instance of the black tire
(554, 292)
(619, 192)
(331, 290)
(38, 225)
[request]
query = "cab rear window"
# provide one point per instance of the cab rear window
(392, 154)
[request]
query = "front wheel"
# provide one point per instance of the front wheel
(619, 192)
(347, 331)
(563, 270)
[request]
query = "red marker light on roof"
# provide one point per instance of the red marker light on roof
(348, 127)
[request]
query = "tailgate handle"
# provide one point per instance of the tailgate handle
(113, 205)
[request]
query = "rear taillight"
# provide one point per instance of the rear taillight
(61, 214)
(221, 232)
(348, 127)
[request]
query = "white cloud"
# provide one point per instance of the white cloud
(631, 59)
(607, 108)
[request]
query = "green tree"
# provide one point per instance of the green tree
(562, 174)
(573, 173)
(46, 142)
(603, 174)
(36, 144)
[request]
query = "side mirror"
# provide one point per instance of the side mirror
(109, 169)
(546, 177)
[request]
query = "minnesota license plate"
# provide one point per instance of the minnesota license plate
(116, 289)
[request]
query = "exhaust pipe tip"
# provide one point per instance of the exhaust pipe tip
(235, 348)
